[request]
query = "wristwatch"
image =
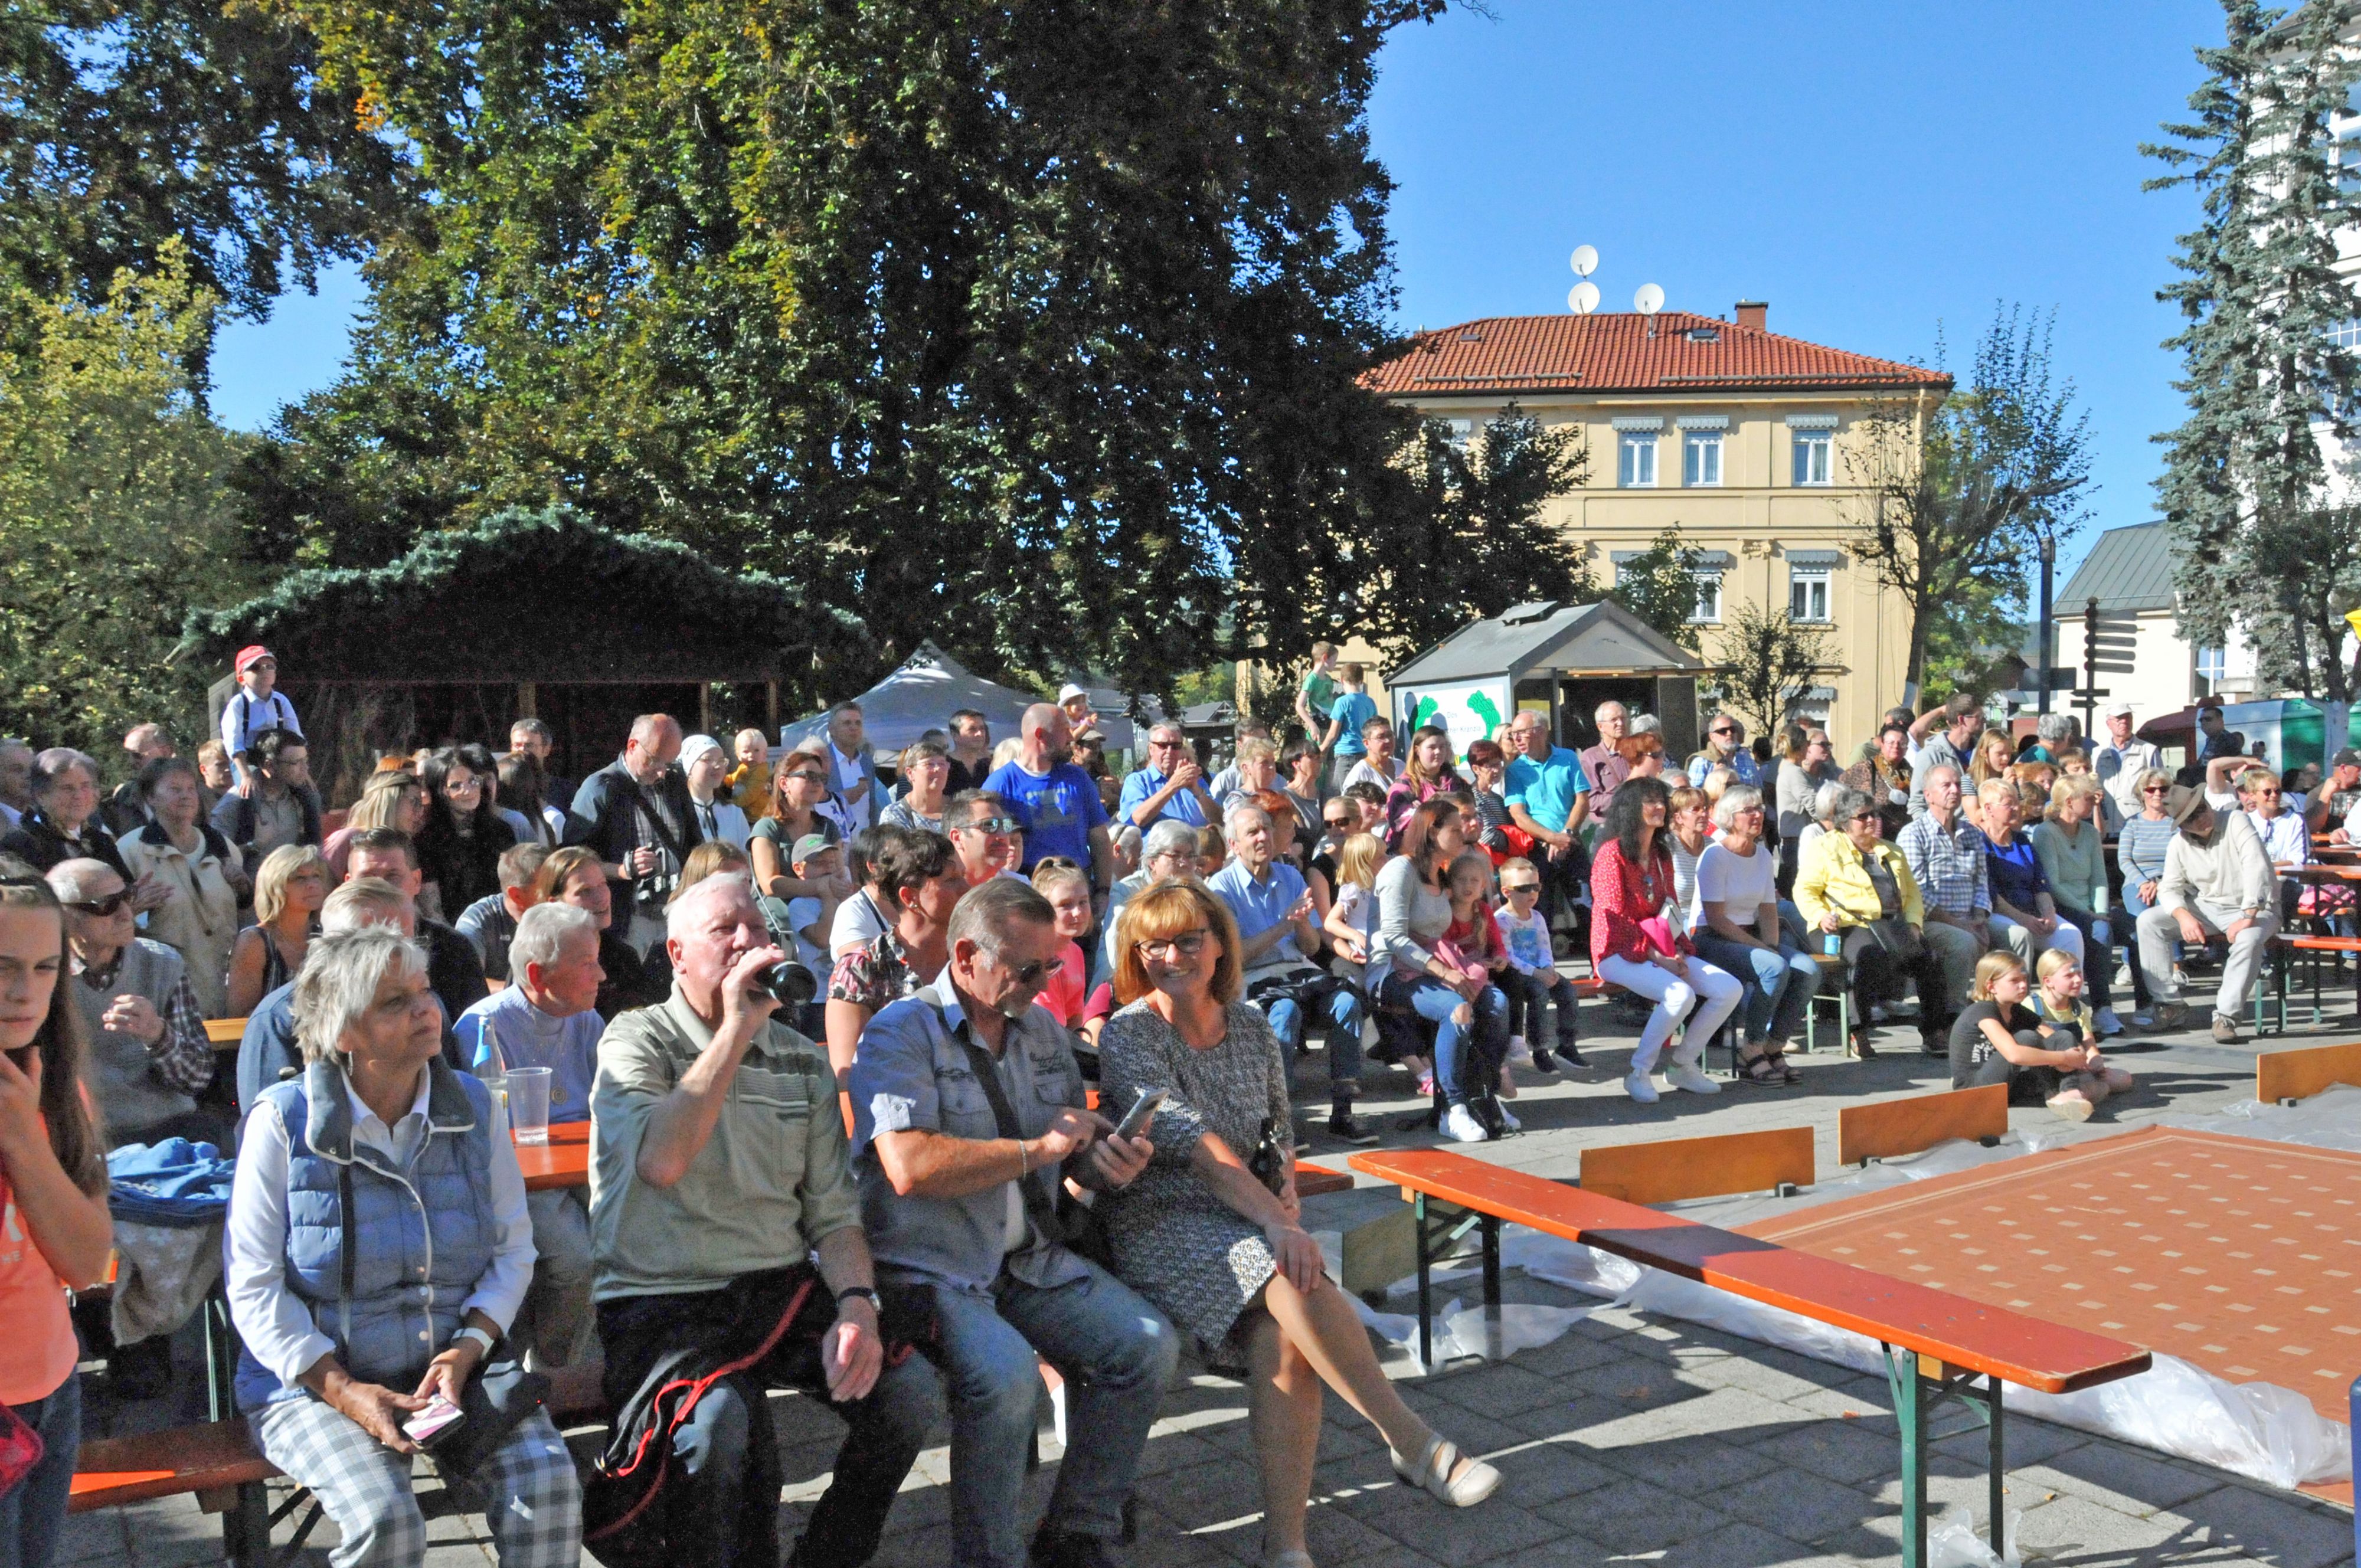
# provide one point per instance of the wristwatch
(862, 1291)
(476, 1333)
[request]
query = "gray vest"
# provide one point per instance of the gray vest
(119, 1070)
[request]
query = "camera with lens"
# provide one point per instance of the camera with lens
(788, 984)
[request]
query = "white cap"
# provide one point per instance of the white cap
(2119, 710)
(1070, 692)
(696, 746)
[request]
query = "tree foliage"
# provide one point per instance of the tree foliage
(114, 513)
(1659, 586)
(1768, 662)
(1955, 501)
(1032, 328)
(2266, 541)
(1475, 540)
(126, 126)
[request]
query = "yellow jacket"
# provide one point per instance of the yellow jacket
(1831, 876)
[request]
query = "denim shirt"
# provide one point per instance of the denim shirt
(912, 1071)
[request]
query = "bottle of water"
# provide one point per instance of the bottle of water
(495, 1071)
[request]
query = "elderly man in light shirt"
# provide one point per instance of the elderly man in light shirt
(2217, 883)
(2118, 764)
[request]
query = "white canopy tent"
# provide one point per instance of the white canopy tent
(922, 695)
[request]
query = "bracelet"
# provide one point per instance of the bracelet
(1023, 1160)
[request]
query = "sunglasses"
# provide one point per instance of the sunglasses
(2153, 789)
(991, 825)
(1514, 888)
(100, 908)
(808, 776)
(1036, 971)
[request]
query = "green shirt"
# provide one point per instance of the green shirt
(2077, 871)
(1320, 691)
(769, 1184)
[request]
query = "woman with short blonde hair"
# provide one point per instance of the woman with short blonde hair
(289, 887)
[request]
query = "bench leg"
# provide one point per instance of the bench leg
(1425, 1285)
(1910, 1415)
(246, 1527)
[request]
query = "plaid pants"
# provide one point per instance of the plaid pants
(535, 1505)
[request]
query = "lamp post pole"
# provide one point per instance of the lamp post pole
(2049, 628)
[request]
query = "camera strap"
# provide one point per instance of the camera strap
(1038, 1206)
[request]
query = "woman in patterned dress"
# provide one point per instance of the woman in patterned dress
(1202, 1237)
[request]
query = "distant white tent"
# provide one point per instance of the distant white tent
(922, 695)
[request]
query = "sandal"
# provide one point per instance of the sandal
(1788, 1074)
(1862, 1050)
(1473, 1482)
(1761, 1067)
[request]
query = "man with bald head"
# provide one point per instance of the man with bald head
(1056, 802)
(148, 1056)
(635, 812)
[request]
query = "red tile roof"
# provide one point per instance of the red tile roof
(1614, 352)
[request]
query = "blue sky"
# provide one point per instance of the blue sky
(1875, 172)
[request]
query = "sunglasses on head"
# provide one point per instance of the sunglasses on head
(102, 907)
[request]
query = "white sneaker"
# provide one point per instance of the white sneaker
(1460, 1126)
(1638, 1087)
(1508, 1120)
(1519, 1053)
(2108, 1023)
(1684, 1076)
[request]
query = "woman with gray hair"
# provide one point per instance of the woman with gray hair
(377, 1248)
(63, 824)
(1737, 930)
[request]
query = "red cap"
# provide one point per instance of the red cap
(248, 654)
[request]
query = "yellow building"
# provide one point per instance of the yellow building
(1752, 444)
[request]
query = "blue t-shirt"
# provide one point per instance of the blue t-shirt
(2015, 871)
(1182, 807)
(1355, 708)
(1058, 809)
(1548, 787)
(530, 1037)
(1259, 905)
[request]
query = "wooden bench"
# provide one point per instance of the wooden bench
(1910, 1125)
(217, 1462)
(2316, 947)
(1936, 1345)
(2284, 1076)
(226, 1033)
(1673, 1169)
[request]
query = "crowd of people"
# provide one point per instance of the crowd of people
(710, 948)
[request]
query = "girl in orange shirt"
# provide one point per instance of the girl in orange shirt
(54, 1229)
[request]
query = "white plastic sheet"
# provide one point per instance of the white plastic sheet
(1461, 1333)
(1953, 1542)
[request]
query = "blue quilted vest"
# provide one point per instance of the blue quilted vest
(423, 1234)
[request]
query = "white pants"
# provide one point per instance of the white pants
(2027, 946)
(1712, 994)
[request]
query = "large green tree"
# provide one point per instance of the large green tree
(2268, 542)
(1033, 328)
(128, 125)
(1955, 501)
(114, 516)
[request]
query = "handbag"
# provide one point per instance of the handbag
(1659, 932)
(1268, 1161)
(20, 1448)
(1898, 939)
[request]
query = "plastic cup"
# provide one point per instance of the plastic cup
(528, 1104)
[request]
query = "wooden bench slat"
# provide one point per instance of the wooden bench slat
(1673, 1169)
(111, 1471)
(2051, 1357)
(225, 1031)
(2300, 1075)
(1311, 1180)
(1920, 1122)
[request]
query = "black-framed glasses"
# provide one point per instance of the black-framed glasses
(1187, 945)
(100, 908)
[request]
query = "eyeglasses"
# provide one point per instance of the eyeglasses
(1164, 745)
(1514, 888)
(462, 786)
(100, 908)
(993, 825)
(2152, 789)
(808, 776)
(1187, 945)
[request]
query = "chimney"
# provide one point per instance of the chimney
(1751, 314)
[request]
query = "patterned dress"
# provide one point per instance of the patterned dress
(1176, 1243)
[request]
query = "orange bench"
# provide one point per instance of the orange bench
(1936, 1345)
(217, 1461)
(1890, 1127)
(1670, 1169)
(2282, 1076)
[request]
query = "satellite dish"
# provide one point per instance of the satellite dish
(1583, 298)
(1585, 261)
(1649, 300)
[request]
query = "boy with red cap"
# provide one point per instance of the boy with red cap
(257, 707)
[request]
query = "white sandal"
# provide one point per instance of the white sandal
(1471, 1486)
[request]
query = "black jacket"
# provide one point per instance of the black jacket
(38, 841)
(613, 816)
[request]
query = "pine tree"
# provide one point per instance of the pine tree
(2250, 493)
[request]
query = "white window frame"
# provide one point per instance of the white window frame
(2208, 669)
(1708, 610)
(1635, 450)
(1814, 464)
(1806, 584)
(1700, 451)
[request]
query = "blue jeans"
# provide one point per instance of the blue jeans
(1466, 1059)
(1779, 985)
(1116, 1353)
(33, 1513)
(1285, 1002)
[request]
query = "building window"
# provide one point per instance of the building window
(1635, 466)
(1701, 457)
(1461, 430)
(1815, 456)
(1708, 600)
(2213, 664)
(1807, 594)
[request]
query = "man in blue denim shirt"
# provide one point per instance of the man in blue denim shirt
(959, 1182)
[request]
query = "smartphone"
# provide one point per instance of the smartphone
(1135, 1120)
(428, 1423)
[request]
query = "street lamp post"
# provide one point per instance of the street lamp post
(2048, 626)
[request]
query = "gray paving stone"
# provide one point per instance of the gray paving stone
(1693, 1463)
(1733, 1546)
(2120, 1477)
(1840, 1451)
(2076, 1530)
(1545, 1472)
(1633, 1517)
(1457, 1537)
(2288, 1531)
(1502, 1392)
(1803, 1507)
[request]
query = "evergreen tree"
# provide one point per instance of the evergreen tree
(2251, 491)
(1659, 585)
